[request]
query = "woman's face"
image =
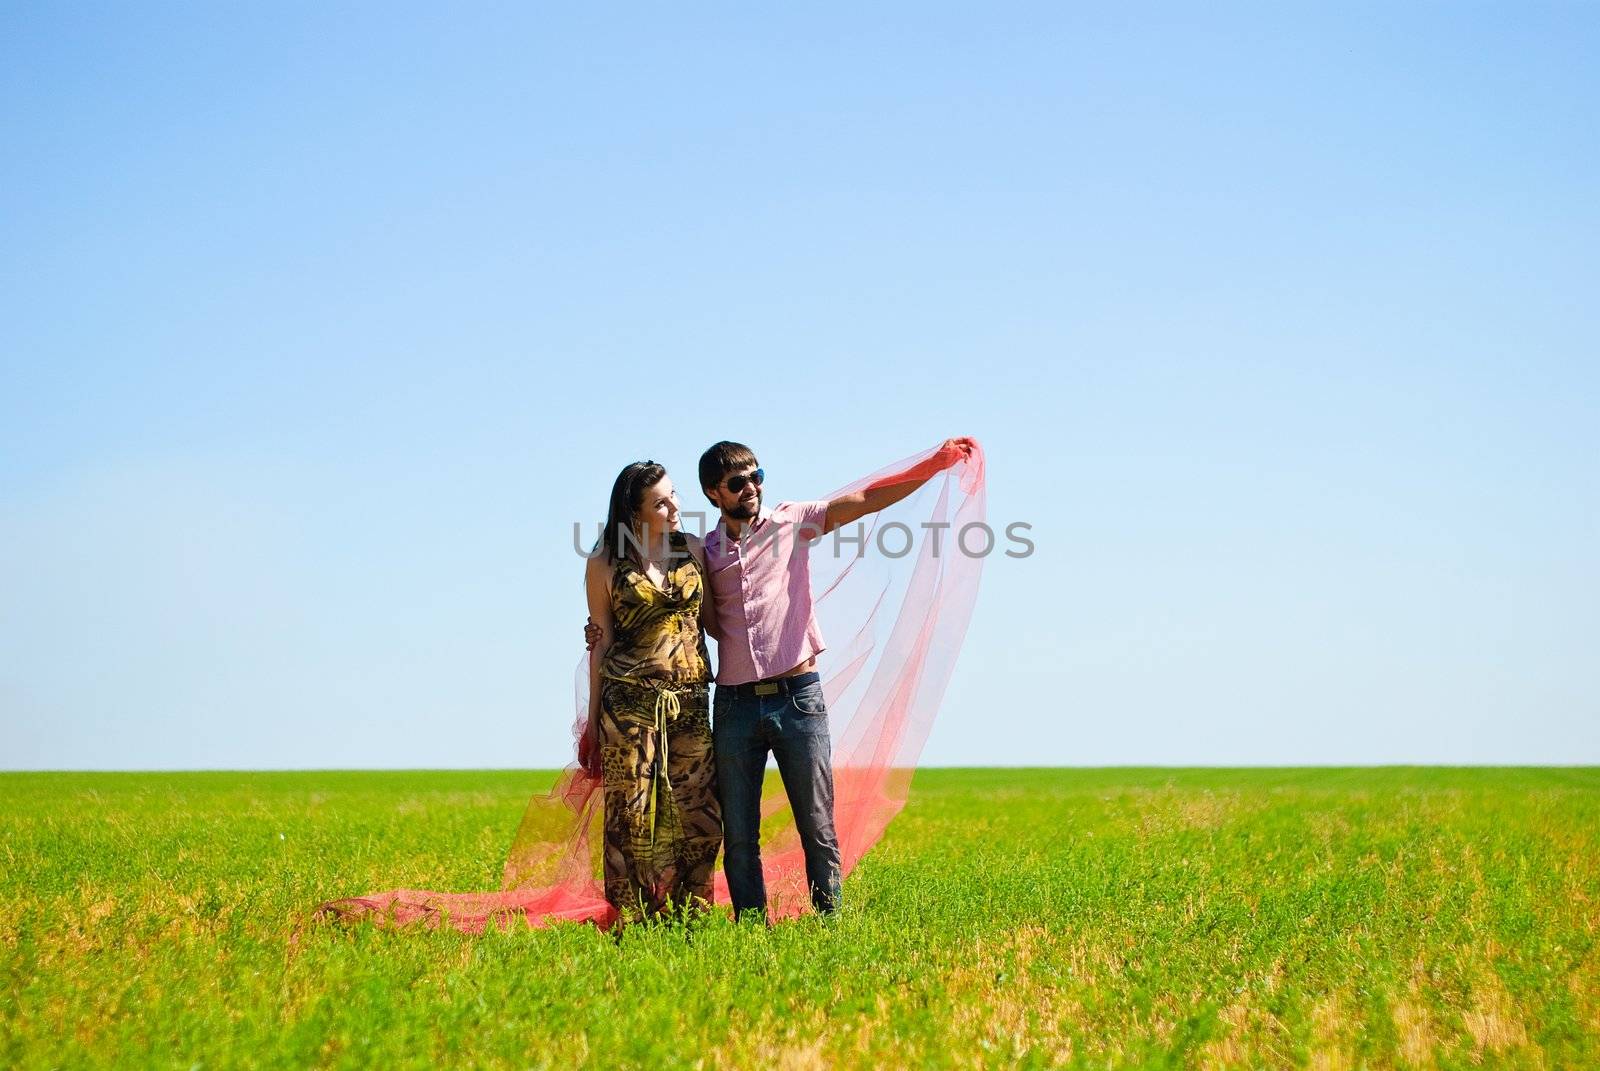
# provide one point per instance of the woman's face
(658, 508)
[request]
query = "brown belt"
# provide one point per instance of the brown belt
(773, 685)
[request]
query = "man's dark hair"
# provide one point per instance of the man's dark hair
(721, 459)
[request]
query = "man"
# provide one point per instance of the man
(769, 695)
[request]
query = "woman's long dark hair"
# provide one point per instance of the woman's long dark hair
(620, 533)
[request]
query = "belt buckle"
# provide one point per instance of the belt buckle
(767, 689)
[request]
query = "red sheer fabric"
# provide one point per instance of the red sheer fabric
(893, 597)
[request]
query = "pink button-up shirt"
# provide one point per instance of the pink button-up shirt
(762, 588)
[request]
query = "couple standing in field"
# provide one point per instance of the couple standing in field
(682, 780)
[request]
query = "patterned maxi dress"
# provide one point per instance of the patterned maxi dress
(663, 825)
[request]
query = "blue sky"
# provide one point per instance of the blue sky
(318, 329)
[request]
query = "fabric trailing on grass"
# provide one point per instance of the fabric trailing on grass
(893, 609)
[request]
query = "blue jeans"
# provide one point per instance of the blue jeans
(793, 725)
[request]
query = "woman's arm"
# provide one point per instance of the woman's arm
(597, 589)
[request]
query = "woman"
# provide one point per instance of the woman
(649, 729)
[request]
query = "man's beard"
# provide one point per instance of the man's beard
(744, 512)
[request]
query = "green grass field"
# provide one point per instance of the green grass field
(1326, 918)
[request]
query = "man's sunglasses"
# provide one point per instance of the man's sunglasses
(736, 484)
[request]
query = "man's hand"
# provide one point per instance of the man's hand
(966, 444)
(591, 634)
(589, 752)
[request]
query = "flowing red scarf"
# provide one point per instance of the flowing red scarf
(893, 607)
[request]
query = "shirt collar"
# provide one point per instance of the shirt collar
(721, 531)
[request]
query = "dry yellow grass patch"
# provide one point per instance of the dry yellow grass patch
(1331, 1028)
(1169, 810)
(1007, 1008)
(1253, 1037)
(1230, 1050)
(1328, 826)
(793, 1053)
(1493, 1021)
(776, 1041)
(1330, 1060)
(1413, 1025)
(1584, 985)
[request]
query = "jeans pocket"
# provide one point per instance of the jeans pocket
(721, 713)
(810, 701)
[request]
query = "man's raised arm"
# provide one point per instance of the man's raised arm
(857, 504)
